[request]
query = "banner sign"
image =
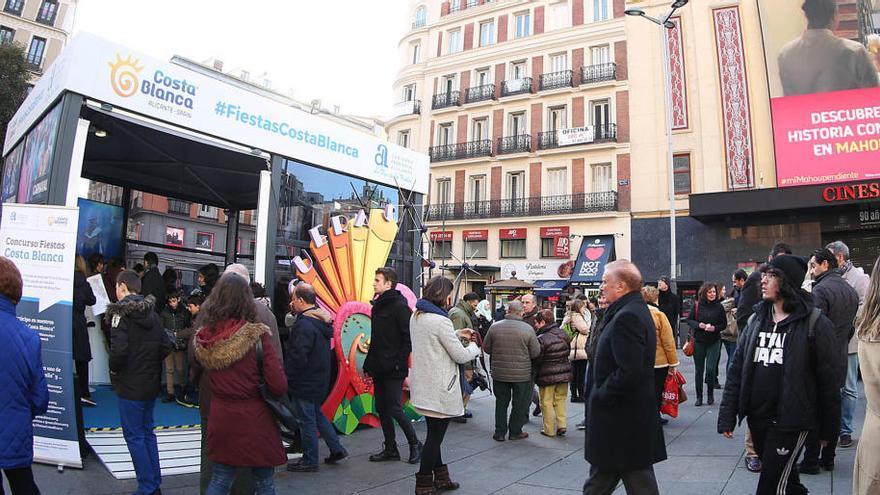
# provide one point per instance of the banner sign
(512, 233)
(594, 254)
(441, 235)
(475, 235)
(561, 241)
(547, 232)
(576, 135)
(534, 270)
(41, 241)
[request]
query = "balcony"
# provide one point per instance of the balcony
(411, 107)
(178, 207)
(461, 151)
(419, 23)
(514, 144)
(519, 86)
(556, 80)
(596, 202)
(447, 99)
(597, 73)
(456, 6)
(589, 135)
(480, 93)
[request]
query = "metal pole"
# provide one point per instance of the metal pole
(667, 83)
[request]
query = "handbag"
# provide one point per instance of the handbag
(688, 348)
(682, 396)
(280, 407)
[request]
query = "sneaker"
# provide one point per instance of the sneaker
(88, 402)
(336, 457)
(582, 425)
(753, 464)
(185, 402)
(299, 467)
(845, 441)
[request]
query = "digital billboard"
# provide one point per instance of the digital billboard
(824, 94)
(11, 171)
(39, 151)
(100, 229)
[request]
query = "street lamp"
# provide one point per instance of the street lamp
(667, 80)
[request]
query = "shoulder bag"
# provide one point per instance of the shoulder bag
(280, 407)
(688, 348)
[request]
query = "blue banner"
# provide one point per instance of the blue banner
(593, 255)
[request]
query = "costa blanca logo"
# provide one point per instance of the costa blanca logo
(124, 76)
(381, 156)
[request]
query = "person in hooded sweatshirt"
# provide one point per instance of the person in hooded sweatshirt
(308, 376)
(242, 432)
(138, 346)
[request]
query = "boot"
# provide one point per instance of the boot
(699, 401)
(425, 484)
(388, 454)
(710, 399)
(415, 453)
(441, 480)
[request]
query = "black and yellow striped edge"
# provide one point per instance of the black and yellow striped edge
(158, 428)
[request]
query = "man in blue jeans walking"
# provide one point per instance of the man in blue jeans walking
(138, 346)
(308, 377)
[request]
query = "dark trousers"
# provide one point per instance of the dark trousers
(638, 482)
(82, 379)
(706, 365)
(778, 451)
(519, 394)
(578, 378)
(387, 393)
(244, 481)
(659, 384)
(431, 457)
(21, 481)
(815, 454)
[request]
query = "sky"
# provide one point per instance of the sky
(343, 52)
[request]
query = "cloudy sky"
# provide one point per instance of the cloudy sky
(341, 51)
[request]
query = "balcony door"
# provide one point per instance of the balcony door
(518, 70)
(601, 111)
(557, 182)
(601, 178)
(517, 124)
(445, 134)
(557, 118)
(559, 62)
(409, 92)
(448, 84)
(480, 130)
(600, 55)
(516, 191)
(482, 77)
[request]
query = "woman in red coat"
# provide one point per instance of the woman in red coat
(241, 430)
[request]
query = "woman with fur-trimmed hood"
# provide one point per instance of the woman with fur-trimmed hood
(241, 430)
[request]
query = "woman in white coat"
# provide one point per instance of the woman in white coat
(435, 389)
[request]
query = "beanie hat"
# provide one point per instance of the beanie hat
(794, 268)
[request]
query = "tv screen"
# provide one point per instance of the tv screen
(101, 227)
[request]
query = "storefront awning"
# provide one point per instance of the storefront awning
(593, 255)
(549, 287)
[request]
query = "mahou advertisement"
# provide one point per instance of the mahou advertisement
(824, 93)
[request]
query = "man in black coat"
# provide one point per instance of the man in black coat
(152, 283)
(782, 378)
(387, 363)
(624, 438)
(839, 302)
(669, 303)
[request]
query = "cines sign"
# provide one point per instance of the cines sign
(852, 192)
(126, 82)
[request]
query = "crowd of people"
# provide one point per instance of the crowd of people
(794, 331)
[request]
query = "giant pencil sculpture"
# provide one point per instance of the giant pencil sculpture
(306, 272)
(324, 258)
(383, 230)
(339, 244)
(358, 233)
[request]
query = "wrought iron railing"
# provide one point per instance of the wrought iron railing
(480, 93)
(598, 73)
(447, 99)
(461, 151)
(419, 23)
(411, 107)
(514, 144)
(541, 205)
(556, 80)
(601, 133)
(179, 207)
(516, 86)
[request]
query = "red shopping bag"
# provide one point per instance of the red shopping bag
(670, 397)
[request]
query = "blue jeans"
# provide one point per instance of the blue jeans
(730, 348)
(849, 395)
(224, 475)
(137, 428)
(312, 421)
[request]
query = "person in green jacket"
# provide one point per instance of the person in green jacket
(463, 315)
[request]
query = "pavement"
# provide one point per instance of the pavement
(700, 461)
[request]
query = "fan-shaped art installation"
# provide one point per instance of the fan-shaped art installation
(341, 266)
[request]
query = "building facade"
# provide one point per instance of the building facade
(524, 109)
(40, 26)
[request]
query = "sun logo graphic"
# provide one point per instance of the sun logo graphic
(124, 75)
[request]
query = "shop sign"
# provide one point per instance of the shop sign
(441, 236)
(561, 241)
(870, 216)
(475, 235)
(576, 135)
(534, 270)
(594, 254)
(548, 232)
(512, 233)
(851, 192)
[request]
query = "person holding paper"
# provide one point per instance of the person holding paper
(82, 352)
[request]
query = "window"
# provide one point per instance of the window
(14, 6)
(476, 249)
(515, 186)
(600, 55)
(403, 138)
(523, 23)
(6, 34)
(487, 33)
(518, 70)
(681, 173)
(409, 92)
(174, 236)
(482, 77)
(35, 52)
(441, 250)
(48, 11)
(477, 188)
(600, 10)
(178, 206)
(480, 129)
(416, 52)
(207, 211)
(548, 248)
(454, 43)
(444, 187)
(602, 178)
(601, 111)
(513, 248)
(445, 134)
(245, 76)
(557, 182)
(517, 124)
(559, 62)
(449, 83)
(557, 118)
(205, 241)
(421, 17)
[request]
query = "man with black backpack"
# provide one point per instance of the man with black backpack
(783, 377)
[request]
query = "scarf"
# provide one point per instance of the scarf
(427, 306)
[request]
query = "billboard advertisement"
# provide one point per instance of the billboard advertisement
(824, 93)
(11, 171)
(36, 166)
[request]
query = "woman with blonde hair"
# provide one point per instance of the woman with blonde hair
(666, 358)
(866, 473)
(580, 329)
